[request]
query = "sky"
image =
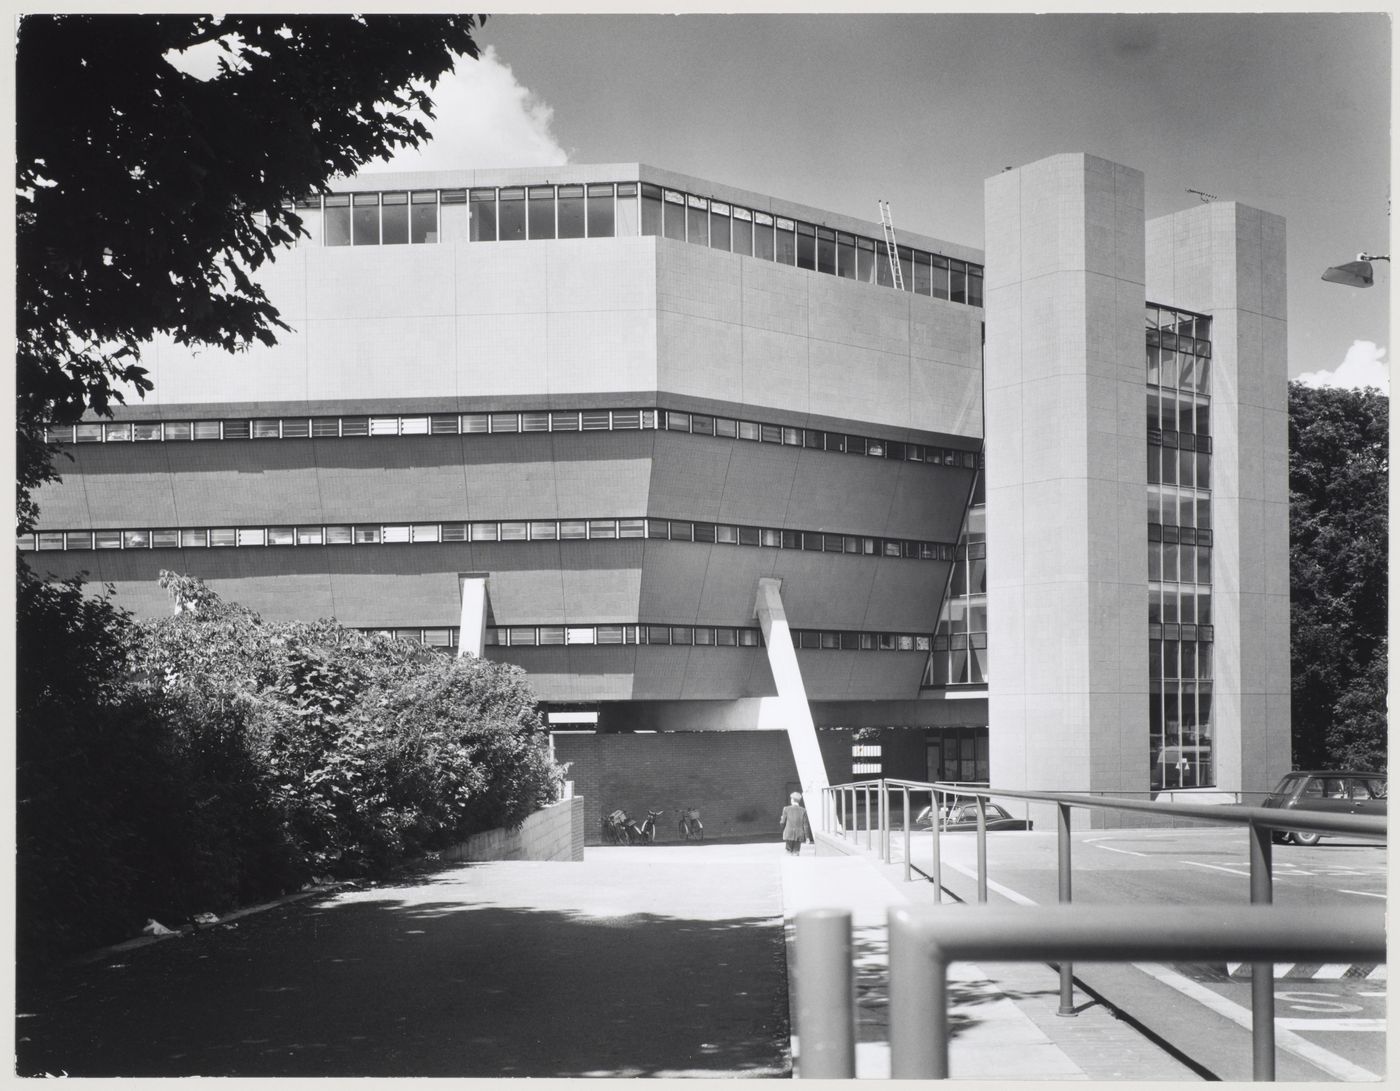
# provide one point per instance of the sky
(1285, 112)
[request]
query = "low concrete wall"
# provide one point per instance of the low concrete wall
(554, 833)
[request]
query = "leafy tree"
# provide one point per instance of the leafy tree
(1338, 473)
(147, 196)
(128, 805)
(371, 748)
(211, 758)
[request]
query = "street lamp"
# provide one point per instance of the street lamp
(1355, 274)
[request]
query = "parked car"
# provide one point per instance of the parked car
(963, 816)
(1336, 791)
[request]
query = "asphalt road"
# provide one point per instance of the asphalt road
(1330, 1019)
(639, 963)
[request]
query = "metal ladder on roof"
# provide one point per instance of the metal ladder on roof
(887, 222)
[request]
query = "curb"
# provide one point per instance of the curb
(189, 929)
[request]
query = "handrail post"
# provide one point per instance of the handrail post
(1261, 985)
(1066, 894)
(908, 863)
(918, 1003)
(935, 814)
(869, 830)
(981, 851)
(885, 820)
(825, 998)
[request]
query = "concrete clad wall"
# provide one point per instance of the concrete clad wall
(369, 480)
(552, 317)
(1229, 261)
(554, 833)
(1066, 477)
(737, 329)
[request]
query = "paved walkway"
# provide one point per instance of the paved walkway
(1005, 1026)
(657, 961)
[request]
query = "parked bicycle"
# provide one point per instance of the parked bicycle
(620, 829)
(649, 827)
(692, 829)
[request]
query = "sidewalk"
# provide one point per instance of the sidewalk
(639, 962)
(1005, 1025)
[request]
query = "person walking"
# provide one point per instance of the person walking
(796, 828)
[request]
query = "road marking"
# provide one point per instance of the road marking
(1332, 971)
(1325, 1059)
(1363, 893)
(992, 884)
(1217, 867)
(1280, 968)
(1110, 848)
(1365, 1025)
(1284, 1038)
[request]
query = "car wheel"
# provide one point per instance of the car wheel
(1305, 838)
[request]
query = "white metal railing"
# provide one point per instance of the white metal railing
(840, 815)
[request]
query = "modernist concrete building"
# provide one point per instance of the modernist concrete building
(712, 472)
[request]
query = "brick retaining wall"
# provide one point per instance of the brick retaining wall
(739, 780)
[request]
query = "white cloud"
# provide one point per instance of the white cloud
(485, 118)
(1364, 366)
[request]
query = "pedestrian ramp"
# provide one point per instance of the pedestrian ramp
(992, 1038)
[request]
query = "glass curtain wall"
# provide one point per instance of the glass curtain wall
(1179, 543)
(959, 656)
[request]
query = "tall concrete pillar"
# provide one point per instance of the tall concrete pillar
(795, 712)
(1066, 476)
(1228, 261)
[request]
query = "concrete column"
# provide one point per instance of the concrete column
(1066, 476)
(471, 636)
(792, 694)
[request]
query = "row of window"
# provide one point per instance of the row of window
(1170, 604)
(1184, 658)
(1178, 466)
(1203, 633)
(1179, 413)
(1182, 344)
(1179, 712)
(529, 636)
(1173, 320)
(609, 210)
(536, 636)
(535, 530)
(511, 422)
(1172, 505)
(1157, 532)
(1171, 562)
(964, 665)
(1168, 370)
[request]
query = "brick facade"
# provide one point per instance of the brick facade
(739, 780)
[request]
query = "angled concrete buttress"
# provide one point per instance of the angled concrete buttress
(471, 638)
(792, 694)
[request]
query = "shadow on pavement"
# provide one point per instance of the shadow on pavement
(386, 983)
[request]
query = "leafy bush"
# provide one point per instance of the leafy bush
(210, 758)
